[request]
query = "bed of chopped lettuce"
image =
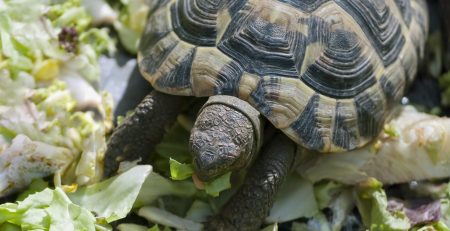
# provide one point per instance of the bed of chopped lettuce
(54, 124)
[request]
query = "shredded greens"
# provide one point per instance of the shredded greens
(131, 22)
(40, 118)
(89, 208)
(48, 126)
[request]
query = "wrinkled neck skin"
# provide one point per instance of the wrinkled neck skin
(225, 137)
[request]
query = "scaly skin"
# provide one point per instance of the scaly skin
(247, 209)
(222, 140)
(138, 135)
(227, 136)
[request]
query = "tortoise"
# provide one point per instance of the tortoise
(325, 73)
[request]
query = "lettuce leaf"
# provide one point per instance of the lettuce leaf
(180, 171)
(131, 23)
(372, 204)
(418, 149)
(218, 185)
(53, 209)
(34, 103)
(100, 11)
(294, 200)
(160, 216)
(133, 227)
(156, 186)
(47, 210)
(113, 198)
(26, 160)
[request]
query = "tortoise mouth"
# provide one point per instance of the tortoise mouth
(211, 162)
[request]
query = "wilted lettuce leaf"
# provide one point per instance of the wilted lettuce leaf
(35, 103)
(372, 205)
(131, 23)
(444, 223)
(326, 191)
(439, 226)
(199, 211)
(36, 185)
(294, 200)
(420, 151)
(318, 222)
(160, 216)
(419, 212)
(341, 207)
(25, 160)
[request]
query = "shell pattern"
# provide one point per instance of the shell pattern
(326, 72)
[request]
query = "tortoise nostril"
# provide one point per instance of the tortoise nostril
(205, 167)
(209, 164)
(204, 160)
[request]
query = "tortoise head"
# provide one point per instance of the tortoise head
(223, 138)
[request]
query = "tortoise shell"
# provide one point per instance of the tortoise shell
(325, 72)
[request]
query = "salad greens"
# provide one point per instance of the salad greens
(47, 210)
(42, 118)
(419, 151)
(53, 121)
(131, 21)
(373, 207)
(180, 171)
(89, 208)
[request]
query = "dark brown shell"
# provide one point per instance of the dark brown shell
(325, 72)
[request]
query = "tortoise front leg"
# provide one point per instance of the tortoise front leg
(247, 209)
(138, 135)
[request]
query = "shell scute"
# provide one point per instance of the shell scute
(306, 128)
(264, 42)
(381, 27)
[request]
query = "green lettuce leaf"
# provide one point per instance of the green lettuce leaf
(156, 186)
(132, 227)
(318, 222)
(35, 103)
(113, 198)
(47, 210)
(273, 227)
(219, 184)
(131, 23)
(180, 171)
(372, 205)
(160, 216)
(326, 191)
(294, 200)
(418, 148)
(438, 226)
(199, 211)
